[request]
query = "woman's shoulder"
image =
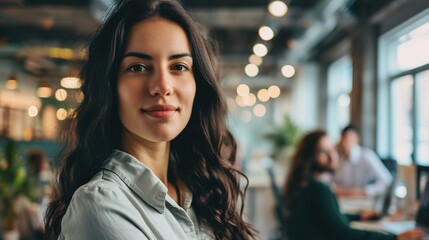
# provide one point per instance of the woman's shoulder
(101, 187)
(94, 199)
(316, 186)
(314, 183)
(100, 209)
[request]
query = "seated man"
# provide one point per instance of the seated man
(360, 171)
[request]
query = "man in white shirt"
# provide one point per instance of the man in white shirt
(360, 172)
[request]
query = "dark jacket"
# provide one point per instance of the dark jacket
(315, 215)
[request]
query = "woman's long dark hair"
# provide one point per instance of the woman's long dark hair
(303, 165)
(199, 150)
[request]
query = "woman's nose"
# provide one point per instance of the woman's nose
(162, 83)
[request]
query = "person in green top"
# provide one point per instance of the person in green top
(312, 211)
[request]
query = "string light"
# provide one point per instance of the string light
(12, 82)
(266, 33)
(260, 50)
(263, 95)
(277, 8)
(288, 71)
(274, 91)
(251, 70)
(243, 90)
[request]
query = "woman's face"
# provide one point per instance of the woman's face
(326, 155)
(156, 85)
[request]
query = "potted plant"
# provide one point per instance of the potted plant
(12, 185)
(283, 137)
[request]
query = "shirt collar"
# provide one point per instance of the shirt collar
(138, 178)
(187, 199)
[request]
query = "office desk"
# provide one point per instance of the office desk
(355, 204)
(384, 226)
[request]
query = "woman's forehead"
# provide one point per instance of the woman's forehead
(158, 34)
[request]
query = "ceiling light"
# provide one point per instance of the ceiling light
(243, 90)
(250, 99)
(288, 71)
(246, 101)
(44, 92)
(12, 82)
(255, 60)
(277, 8)
(274, 91)
(263, 95)
(266, 33)
(344, 100)
(240, 101)
(259, 110)
(260, 50)
(251, 70)
(61, 114)
(47, 23)
(61, 53)
(70, 82)
(61, 94)
(32, 111)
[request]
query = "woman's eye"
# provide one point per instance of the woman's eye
(138, 68)
(180, 68)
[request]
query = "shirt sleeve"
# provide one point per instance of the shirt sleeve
(333, 222)
(383, 178)
(100, 213)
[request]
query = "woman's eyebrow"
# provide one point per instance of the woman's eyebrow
(139, 55)
(179, 55)
(149, 57)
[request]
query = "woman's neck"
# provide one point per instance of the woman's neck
(154, 155)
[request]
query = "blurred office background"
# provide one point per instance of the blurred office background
(287, 67)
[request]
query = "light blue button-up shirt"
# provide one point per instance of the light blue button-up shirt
(363, 170)
(126, 200)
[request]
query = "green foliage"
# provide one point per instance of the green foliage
(285, 135)
(14, 181)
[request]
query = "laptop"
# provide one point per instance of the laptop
(396, 227)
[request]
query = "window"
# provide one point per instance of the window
(422, 115)
(339, 87)
(403, 112)
(412, 48)
(402, 120)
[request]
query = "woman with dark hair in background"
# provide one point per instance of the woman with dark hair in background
(148, 154)
(312, 210)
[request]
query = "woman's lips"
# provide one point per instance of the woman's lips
(160, 111)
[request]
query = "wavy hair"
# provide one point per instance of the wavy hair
(204, 152)
(303, 165)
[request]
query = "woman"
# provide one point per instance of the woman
(149, 155)
(311, 208)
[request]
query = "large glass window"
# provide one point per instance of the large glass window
(403, 118)
(412, 48)
(339, 87)
(422, 121)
